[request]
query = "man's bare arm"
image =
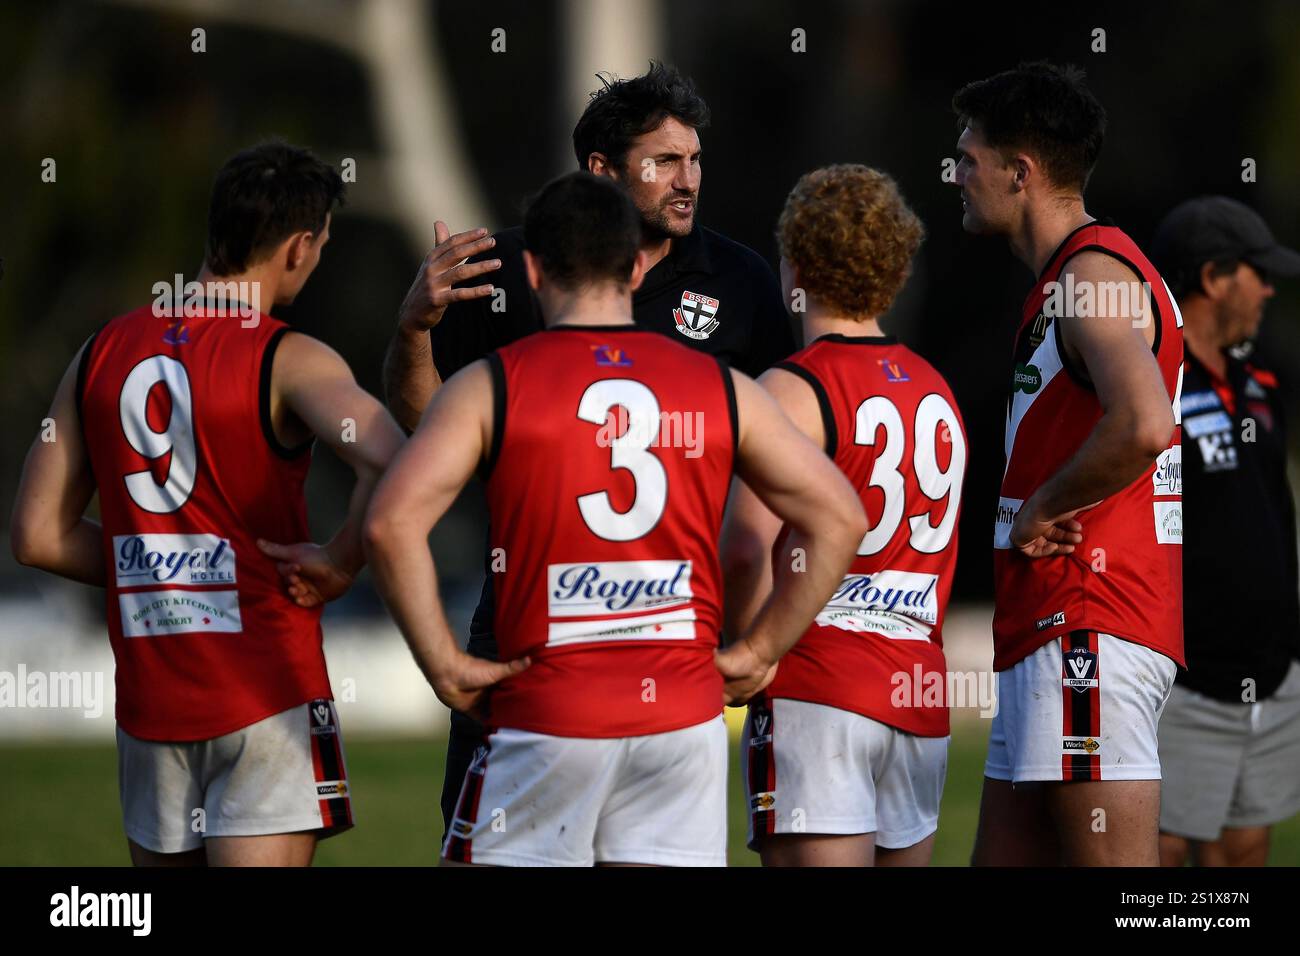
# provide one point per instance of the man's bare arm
(1137, 414)
(312, 383)
(48, 528)
(751, 529)
(804, 489)
(421, 485)
(410, 376)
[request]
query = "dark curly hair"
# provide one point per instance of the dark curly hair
(622, 110)
(1043, 109)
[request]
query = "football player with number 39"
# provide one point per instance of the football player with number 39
(845, 752)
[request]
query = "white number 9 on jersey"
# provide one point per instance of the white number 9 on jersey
(177, 437)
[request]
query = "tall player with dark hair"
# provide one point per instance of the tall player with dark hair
(606, 742)
(700, 288)
(1087, 630)
(844, 756)
(195, 430)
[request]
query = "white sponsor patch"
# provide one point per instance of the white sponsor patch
(670, 626)
(899, 604)
(146, 613)
(616, 587)
(148, 559)
(1193, 402)
(1167, 479)
(1008, 508)
(1169, 522)
(1199, 425)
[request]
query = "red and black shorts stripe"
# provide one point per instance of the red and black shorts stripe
(1080, 706)
(459, 846)
(761, 761)
(327, 763)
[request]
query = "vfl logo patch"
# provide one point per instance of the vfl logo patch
(478, 763)
(610, 356)
(1079, 670)
(323, 720)
(762, 731)
(893, 371)
(697, 316)
(1052, 620)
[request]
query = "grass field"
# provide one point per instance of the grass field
(59, 805)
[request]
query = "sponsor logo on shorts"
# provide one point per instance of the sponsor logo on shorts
(1074, 745)
(1079, 670)
(762, 801)
(332, 788)
(1052, 620)
(1027, 379)
(1167, 479)
(461, 827)
(172, 559)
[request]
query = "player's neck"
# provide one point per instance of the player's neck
(609, 305)
(258, 285)
(1044, 228)
(817, 323)
(1201, 338)
(656, 249)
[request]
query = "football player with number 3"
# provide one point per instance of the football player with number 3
(195, 428)
(845, 752)
(607, 453)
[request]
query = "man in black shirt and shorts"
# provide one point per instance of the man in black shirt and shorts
(701, 289)
(1230, 734)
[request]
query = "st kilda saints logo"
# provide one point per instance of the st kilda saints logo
(697, 317)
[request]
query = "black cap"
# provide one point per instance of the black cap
(1216, 229)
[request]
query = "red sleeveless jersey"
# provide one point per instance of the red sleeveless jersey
(1126, 577)
(177, 423)
(893, 428)
(612, 456)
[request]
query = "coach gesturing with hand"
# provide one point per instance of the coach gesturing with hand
(701, 289)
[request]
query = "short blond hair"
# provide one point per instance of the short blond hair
(852, 236)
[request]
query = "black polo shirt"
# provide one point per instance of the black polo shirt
(708, 293)
(1241, 610)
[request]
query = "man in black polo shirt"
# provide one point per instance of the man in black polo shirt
(1230, 734)
(701, 289)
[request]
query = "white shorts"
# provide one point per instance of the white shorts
(1089, 713)
(538, 800)
(810, 768)
(283, 774)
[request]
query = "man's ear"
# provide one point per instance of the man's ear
(638, 270)
(1214, 285)
(533, 268)
(296, 249)
(1024, 168)
(599, 164)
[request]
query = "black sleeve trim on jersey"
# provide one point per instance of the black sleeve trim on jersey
(498, 372)
(823, 402)
(264, 400)
(729, 386)
(81, 372)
